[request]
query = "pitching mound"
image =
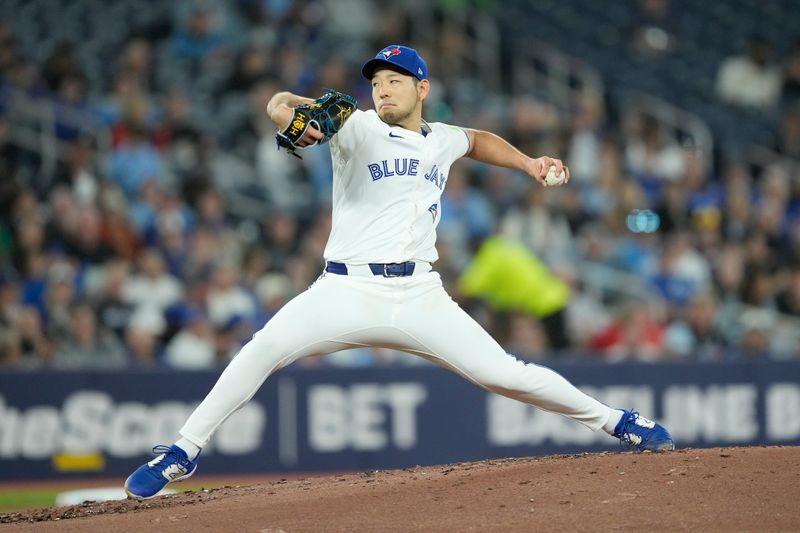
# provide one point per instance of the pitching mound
(720, 489)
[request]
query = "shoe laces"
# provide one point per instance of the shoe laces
(170, 456)
(625, 436)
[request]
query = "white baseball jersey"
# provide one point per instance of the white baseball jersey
(387, 189)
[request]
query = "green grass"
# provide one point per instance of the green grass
(20, 500)
(11, 501)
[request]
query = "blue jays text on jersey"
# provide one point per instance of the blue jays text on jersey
(405, 167)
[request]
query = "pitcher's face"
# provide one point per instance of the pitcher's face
(396, 96)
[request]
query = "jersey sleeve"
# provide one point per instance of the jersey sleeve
(458, 141)
(349, 135)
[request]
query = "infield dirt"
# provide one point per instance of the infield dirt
(719, 489)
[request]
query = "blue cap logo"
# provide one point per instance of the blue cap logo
(402, 57)
(389, 52)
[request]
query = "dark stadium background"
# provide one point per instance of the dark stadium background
(149, 225)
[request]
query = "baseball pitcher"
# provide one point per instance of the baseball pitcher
(378, 287)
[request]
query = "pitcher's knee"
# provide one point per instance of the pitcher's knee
(265, 349)
(491, 375)
(504, 374)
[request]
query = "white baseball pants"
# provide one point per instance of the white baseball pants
(413, 314)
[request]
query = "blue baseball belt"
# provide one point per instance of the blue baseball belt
(387, 270)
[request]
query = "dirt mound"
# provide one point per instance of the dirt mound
(719, 489)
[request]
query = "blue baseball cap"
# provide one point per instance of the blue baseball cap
(402, 57)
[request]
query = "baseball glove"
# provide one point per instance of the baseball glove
(327, 114)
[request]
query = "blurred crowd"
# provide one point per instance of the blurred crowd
(171, 238)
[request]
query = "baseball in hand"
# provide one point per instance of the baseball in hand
(553, 179)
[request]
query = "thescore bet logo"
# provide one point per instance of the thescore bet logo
(91, 421)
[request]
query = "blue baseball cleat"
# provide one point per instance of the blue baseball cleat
(170, 466)
(638, 433)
